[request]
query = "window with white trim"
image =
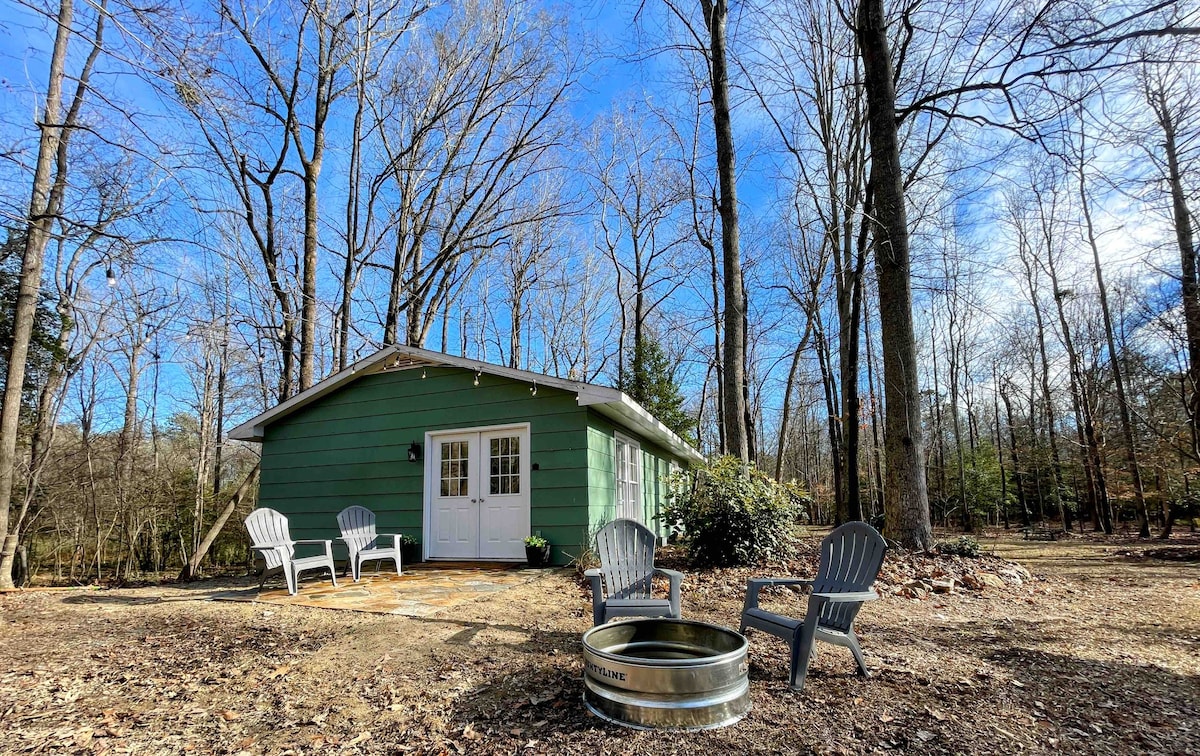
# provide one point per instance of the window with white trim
(628, 466)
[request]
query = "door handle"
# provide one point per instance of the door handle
(474, 502)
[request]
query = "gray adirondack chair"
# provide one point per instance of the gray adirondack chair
(358, 533)
(622, 586)
(270, 537)
(850, 560)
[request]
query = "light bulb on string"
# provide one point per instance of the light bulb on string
(110, 278)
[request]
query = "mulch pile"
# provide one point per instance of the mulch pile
(909, 574)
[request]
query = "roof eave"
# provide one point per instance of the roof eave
(608, 401)
(626, 410)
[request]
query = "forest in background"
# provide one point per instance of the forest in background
(234, 200)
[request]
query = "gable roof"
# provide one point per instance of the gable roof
(609, 402)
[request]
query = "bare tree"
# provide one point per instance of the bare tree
(807, 77)
(907, 512)
(639, 204)
(60, 116)
(707, 37)
(469, 116)
(1131, 456)
(1168, 85)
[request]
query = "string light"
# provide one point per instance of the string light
(477, 374)
(422, 373)
(110, 277)
(533, 389)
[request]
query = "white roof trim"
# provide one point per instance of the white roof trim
(609, 402)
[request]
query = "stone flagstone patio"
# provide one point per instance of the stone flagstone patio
(422, 591)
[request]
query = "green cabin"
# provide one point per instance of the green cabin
(467, 457)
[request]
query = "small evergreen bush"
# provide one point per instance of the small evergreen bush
(730, 516)
(964, 546)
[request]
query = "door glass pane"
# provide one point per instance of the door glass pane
(504, 469)
(454, 468)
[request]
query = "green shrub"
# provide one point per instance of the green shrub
(965, 546)
(729, 516)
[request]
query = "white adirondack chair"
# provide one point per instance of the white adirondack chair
(626, 549)
(270, 537)
(358, 532)
(850, 560)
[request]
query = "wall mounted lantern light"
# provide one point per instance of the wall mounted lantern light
(414, 452)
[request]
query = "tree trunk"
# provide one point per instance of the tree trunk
(733, 386)
(840, 514)
(191, 569)
(907, 513)
(48, 187)
(1047, 399)
(1131, 458)
(939, 498)
(1189, 282)
(1084, 425)
(849, 358)
(787, 408)
(876, 445)
(1018, 478)
(1002, 505)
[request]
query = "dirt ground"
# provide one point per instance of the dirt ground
(1098, 653)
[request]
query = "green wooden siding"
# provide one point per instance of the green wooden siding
(351, 447)
(602, 479)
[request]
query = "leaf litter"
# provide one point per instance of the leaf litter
(1080, 648)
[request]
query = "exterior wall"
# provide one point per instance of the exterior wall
(602, 480)
(351, 447)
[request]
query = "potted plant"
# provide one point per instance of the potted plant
(410, 549)
(537, 551)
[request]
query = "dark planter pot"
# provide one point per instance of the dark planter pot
(410, 553)
(537, 556)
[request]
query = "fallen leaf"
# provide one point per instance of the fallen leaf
(885, 718)
(229, 715)
(360, 737)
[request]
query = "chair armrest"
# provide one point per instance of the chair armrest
(675, 577)
(328, 544)
(856, 597)
(284, 550)
(595, 577)
(395, 538)
(754, 585)
(270, 546)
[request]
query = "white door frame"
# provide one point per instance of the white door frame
(429, 479)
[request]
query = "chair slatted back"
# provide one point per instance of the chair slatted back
(850, 560)
(626, 550)
(270, 528)
(358, 528)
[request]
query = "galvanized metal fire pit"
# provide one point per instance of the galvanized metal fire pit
(666, 674)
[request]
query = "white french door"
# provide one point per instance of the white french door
(478, 485)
